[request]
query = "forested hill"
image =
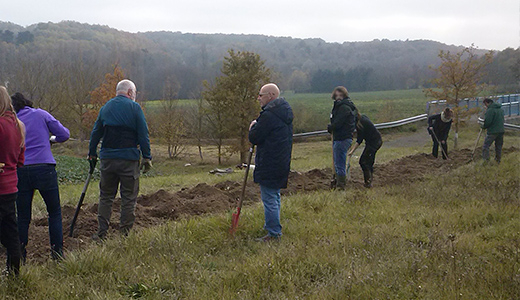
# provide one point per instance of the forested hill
(153, 58)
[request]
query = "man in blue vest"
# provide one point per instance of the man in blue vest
(122, 126)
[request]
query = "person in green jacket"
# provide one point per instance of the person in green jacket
(494, 123)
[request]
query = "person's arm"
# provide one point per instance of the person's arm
(95, 136)
(488, 119)
(261, 129)
(353, 149)
(60, 132)
(143, 138)
(430, 123)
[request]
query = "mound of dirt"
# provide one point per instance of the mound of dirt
(153, 209)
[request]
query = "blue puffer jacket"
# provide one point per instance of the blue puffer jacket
(272, 134)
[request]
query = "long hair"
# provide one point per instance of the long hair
(358, 121)
(19, 101)
(6, 105)
(340, 89)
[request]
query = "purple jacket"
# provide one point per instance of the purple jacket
(38, 125)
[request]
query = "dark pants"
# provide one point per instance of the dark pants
(44, 179)
(123, 174)
(368, 157)
(367, 160)
(499, 142)
(9, 231)
(435, 149)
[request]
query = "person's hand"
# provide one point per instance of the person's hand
(252, 123)
(1, 167)
(443, 142)
(52, 139)
(329, 128)
(92, 160)
(146, 165)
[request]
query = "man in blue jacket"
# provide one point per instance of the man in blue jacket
(122, 126)
(272, 133)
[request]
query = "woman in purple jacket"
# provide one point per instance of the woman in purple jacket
(39, 172)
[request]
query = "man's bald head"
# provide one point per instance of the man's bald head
(268, 93)
(126, 88)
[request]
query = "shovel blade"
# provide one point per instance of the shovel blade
(234, 221)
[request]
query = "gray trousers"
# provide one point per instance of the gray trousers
(123, 174)
(499, 142)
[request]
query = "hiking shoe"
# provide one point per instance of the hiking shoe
(268, 238)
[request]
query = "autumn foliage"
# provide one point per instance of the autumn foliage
(102, 94)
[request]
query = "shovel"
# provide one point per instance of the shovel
(348, 167)
(236, 215)
(82, 197)
(475, 148)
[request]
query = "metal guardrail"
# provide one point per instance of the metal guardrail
(392, 124)
(510, 104)
(506, 125)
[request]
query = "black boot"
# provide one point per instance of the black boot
(13, 265)
(56, 253)
(23, 251)
(367, 176)
(341, 182)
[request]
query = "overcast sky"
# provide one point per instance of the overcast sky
(489, 24)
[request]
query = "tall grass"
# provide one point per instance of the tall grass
(450, 237)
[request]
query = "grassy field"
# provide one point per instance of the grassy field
(450, 237)
(312, 110)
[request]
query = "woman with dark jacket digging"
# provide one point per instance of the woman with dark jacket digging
(11, 157)
(39, 172)
(439, 127)
(368, 132)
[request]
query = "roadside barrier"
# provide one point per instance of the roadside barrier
(392, 124)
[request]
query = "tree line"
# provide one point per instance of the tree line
(302, 65)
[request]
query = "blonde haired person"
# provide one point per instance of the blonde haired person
(12, 137)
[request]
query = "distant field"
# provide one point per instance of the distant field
(312, 110)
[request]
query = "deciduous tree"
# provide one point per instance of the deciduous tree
(234, 95)
(458, 77)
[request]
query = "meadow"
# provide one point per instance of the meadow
(312, 110)
(454, 236)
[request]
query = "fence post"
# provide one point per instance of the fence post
(509, 99)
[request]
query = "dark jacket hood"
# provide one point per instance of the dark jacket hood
(495, 106)
(280, 108)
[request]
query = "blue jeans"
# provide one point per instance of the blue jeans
(44, 179)
(340, 149)
(271, 200)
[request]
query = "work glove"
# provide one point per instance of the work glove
(92, 160)
(329, 128)
(430, 130)
(146, 165)
(52, 139)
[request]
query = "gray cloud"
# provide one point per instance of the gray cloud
(489, 24)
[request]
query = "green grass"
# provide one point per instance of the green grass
(450, 237)
(312, 110)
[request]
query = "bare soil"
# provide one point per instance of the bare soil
(153, 209)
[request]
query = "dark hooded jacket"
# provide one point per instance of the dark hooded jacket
(272, 134)
(441, 128)
(342, 120)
